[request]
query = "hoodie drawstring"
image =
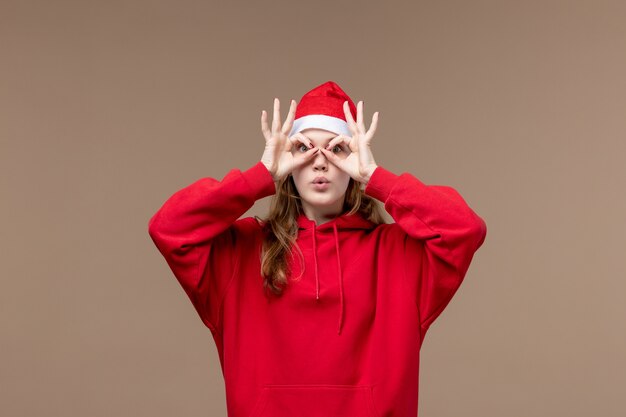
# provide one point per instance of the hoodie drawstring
(317, 281)
(340, 279)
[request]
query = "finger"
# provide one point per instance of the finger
(351, 123)
(301, 159)
(338, 140)
(290, 116)
(334, 159)
(264, 127)
(373, 126)
(298, 140)
(359, 117)
(299, 137)
(276, 119)
(350, 142)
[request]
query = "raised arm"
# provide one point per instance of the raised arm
(442, 235)
(195, 230)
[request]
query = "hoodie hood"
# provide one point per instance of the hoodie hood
(341, 223)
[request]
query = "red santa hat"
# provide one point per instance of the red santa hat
(322, 108)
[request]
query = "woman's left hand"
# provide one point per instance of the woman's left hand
(359, 164)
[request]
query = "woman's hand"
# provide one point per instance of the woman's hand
(277, 156)
(359, 164)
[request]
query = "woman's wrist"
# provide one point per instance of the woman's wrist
(270, 171)
(367, 177)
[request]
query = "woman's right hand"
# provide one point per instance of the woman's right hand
(278, 156)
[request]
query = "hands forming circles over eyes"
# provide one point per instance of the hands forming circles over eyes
(280, 161)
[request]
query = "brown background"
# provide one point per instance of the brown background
(109, 107)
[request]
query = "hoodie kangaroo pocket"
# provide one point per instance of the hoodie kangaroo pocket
(315, 401)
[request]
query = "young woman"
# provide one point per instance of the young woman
(321, 308)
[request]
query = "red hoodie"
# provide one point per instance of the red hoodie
(344, 338)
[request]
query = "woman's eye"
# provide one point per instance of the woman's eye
(304, 148)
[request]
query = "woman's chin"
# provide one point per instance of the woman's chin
(321, 199)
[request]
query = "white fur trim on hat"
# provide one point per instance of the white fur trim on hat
(320, 121)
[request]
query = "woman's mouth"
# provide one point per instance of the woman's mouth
(321, 185)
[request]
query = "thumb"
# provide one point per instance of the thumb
(305, 157)
(332, 157)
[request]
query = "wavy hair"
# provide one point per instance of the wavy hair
(280, 228)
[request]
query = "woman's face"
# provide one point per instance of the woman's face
(317, 200)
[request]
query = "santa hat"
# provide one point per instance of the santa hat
(322, 108)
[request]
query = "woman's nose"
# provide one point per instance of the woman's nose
(320, 159)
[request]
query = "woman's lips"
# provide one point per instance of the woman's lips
(321, 185)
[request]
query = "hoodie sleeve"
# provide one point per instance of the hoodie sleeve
(195, 231)
(442, 233)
